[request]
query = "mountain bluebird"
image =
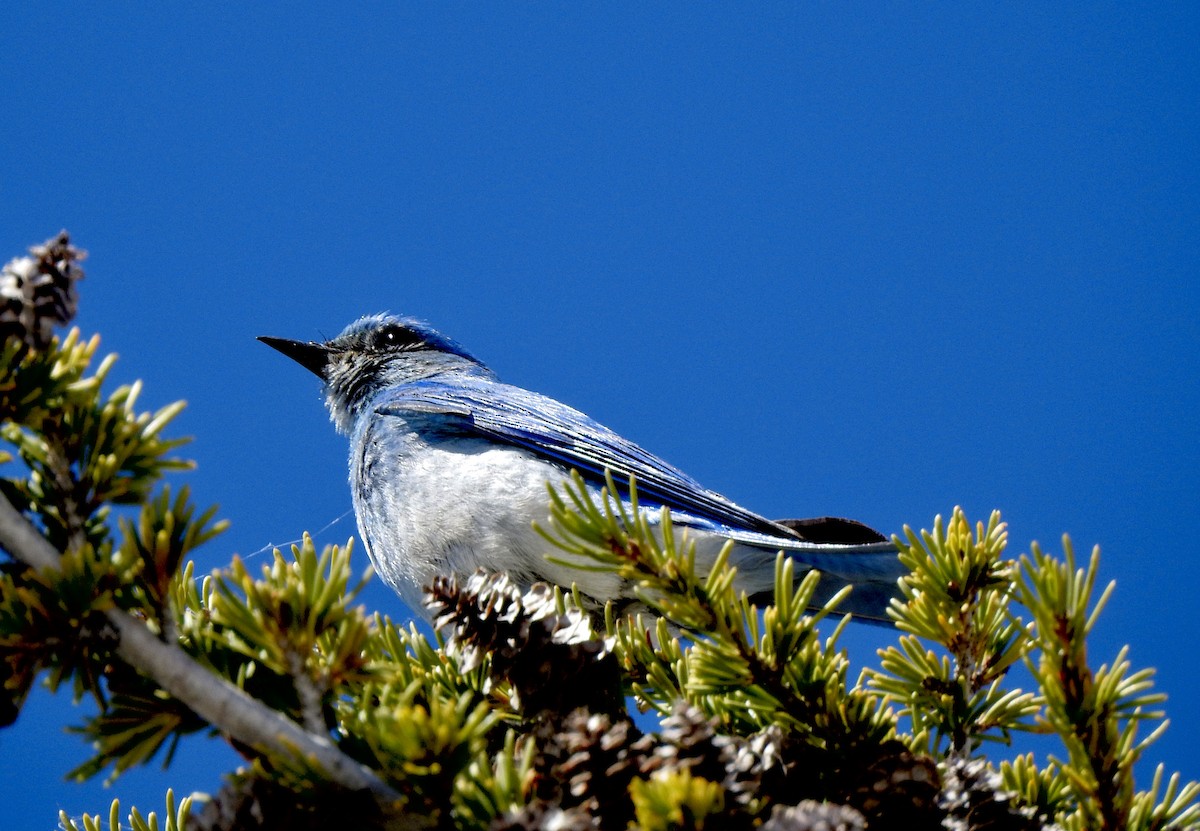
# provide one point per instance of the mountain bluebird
(449, 468)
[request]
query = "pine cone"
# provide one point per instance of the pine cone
(811, 815)
(37, 293)
(687, 741)
(554, 661)
(886, 782)
(974, 800)
(690, 740)
(896, 787)
(588, 765)
(750, 762)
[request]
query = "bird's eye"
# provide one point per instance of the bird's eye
(396, 337)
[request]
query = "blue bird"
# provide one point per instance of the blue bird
(449, 467)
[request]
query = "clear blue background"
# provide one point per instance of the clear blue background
(844, 259)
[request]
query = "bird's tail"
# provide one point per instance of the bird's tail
(847, 553)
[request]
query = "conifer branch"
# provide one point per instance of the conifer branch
(220, 703)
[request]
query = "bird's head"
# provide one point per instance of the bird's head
(372, 354)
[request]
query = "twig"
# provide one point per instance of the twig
(220, 703)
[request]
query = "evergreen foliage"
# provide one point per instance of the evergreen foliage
(516, 714)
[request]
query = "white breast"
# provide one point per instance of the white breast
(430, 506)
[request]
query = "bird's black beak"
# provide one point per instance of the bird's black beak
(311, 355)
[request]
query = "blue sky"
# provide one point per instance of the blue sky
(847, 259)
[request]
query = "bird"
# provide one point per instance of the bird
(450, 467)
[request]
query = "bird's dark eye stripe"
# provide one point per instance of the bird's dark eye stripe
(398, 337)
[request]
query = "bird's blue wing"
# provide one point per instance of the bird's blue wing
(561, 434)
